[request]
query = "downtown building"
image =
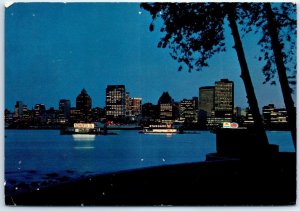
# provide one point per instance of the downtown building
(64, 111)
(166, 108)
(82, 113)
(115, 103)
(188, 110)
(205, 104)
(133, 106)
(223, 103)
(84, 102)
(275, 118)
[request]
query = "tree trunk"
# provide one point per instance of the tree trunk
(245, 75)
(286, 90)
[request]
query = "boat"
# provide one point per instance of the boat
(84, 128)
(160, 129)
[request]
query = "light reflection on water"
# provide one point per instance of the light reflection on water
(47, 152)
(83, 137)
(83, 141)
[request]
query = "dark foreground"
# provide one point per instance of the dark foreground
(257, 182)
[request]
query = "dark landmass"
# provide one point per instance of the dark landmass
(259, 181)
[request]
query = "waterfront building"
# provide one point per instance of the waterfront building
(115, 102)
(64, 109)
(39, 113)
(275, 118)
(8, 118)
(206, 99)
(135, 106)
(205, 104)
(75, 115)
(84, 102)
(237, 111)
(127, 104)
(19, 109)
(223, 98)
(150, 112)
(223, 101)
(247, 120)
(51, 115)
(165, 104)
(187, 110)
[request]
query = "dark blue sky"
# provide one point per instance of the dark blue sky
(54, 50)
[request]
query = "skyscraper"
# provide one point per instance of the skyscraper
(84, 102)
(19, 109)
(165, 103)
(223, 103)
(187, 110)
(223, 99)
(206, 99)
(64, 108)
(136, 106)
(115, 102)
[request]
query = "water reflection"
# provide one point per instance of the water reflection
(84, 141)
(83, 137)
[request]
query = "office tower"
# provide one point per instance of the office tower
(165, 104)
(237, 111)
(19, 109)
(39, 113)
(135, 106)
(127, 104)
(115, 102)
(223, 98)
(84, 102)
(39, 110)
(150, 112)
(64, 108)
(206, 104)
(274, 118)
(187, 110)
(206, 99)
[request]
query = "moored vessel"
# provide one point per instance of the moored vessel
(160, 129)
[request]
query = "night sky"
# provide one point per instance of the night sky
(53, 50)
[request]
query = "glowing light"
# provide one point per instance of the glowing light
(84, 125)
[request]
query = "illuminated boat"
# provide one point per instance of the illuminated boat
(160, 129)
(82, 128)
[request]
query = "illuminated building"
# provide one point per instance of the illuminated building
(187, 110)
(165, 103)
(84, 102)
(115, 102)
(223, 101)
(223, 98)
(150, 112)
(19, 109)
(206, 104)
(206, 99)
(135, 106)
(64, 108)
(274, 117)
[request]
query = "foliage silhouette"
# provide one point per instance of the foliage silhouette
(195, 31)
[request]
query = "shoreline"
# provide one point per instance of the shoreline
(227, 182)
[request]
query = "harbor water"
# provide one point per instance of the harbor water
(44, 157)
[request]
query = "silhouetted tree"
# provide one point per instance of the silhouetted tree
(278, 33)
(195, 31)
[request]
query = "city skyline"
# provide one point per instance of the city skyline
(74, 102)
(62, 48)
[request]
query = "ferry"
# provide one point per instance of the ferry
(160, 129)
(85, 128)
